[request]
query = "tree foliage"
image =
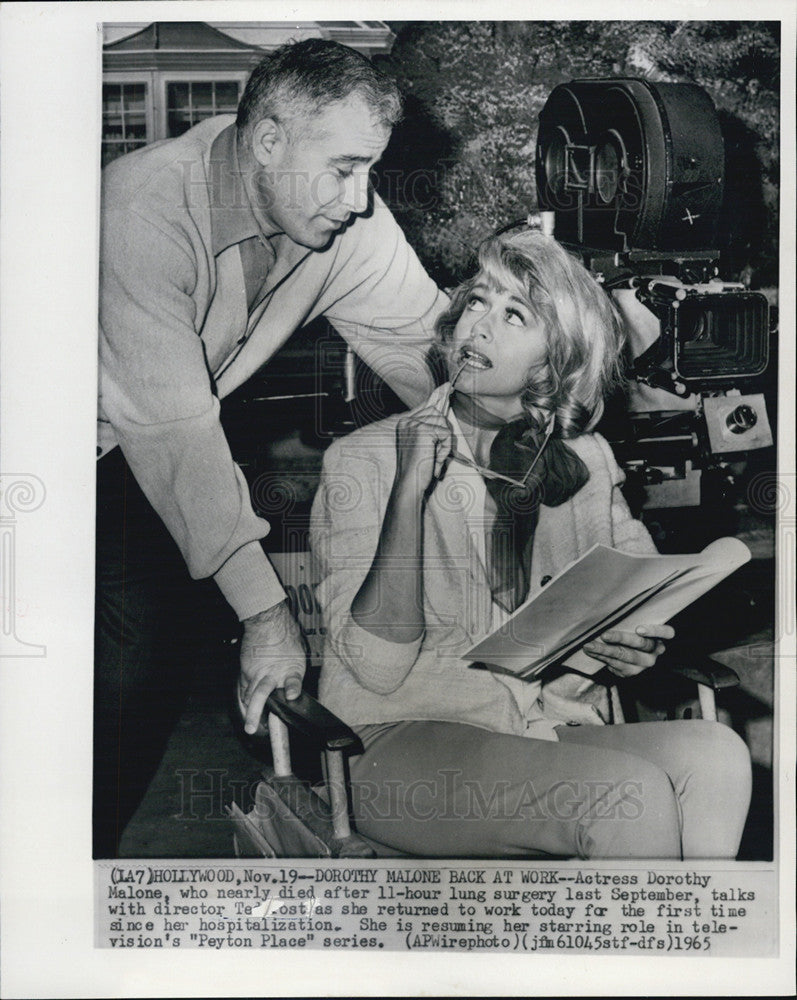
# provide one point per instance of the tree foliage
(462, 163)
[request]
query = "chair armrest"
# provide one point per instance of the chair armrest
(312, 720)
(707, 671)
(700, 670)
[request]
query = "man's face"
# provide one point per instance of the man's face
(315, 174)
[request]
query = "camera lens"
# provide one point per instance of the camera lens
(556, 164)
(697, 326)
(720, 335)
(607, 172)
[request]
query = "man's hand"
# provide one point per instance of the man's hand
(273, 654)
(629, 653)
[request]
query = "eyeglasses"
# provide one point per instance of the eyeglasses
(490, 473)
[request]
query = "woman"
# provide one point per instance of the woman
(432, 527)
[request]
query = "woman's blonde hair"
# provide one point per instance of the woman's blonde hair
(583, 329)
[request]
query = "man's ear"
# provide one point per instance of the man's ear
(266, 135)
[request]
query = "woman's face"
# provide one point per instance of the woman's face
(498, 340)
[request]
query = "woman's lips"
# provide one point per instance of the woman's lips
(474, 359)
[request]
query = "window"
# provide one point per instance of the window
(124, 119)
(146, 105)
(189, 102)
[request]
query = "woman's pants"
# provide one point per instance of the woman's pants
(646, 790)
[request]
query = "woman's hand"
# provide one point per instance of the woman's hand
(629, 653)
(390, 601)
(424, 440)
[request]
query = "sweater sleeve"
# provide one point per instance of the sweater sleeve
(157, 394)
(384, 304)
(345, 523)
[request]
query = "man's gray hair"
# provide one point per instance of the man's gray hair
(300, 79)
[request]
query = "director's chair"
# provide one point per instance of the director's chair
(292, 819)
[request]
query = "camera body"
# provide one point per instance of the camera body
(632, 174)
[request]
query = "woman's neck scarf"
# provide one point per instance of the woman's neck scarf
(557, 474)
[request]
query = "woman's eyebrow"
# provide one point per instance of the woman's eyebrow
(494, 286)
(520, 301)
(514, 297)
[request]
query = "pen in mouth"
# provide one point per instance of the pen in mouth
(460, 370)
(446, 407)
(475, 359)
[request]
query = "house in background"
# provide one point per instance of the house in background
(161, 79)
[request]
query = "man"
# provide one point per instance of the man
(215, 247)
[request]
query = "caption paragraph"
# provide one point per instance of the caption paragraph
(476, 906)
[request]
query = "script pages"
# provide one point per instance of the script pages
(604, 589)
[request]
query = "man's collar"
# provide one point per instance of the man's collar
(231, 217)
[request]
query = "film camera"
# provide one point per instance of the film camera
(633, 173)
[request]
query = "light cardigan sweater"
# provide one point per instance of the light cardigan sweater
(175, 338)
(366, 679)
